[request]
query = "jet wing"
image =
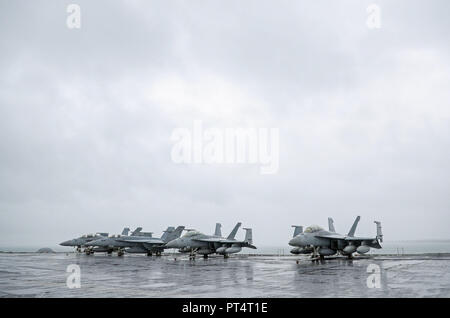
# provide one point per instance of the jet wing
(141, 240)
(229, 242)
(208, 240)
(332, 236)
(243, 244)
(217, 240)
(360, 239)
(224, 241)
(369, 241)
(345, 238)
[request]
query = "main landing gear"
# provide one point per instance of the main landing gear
(192, 255)
(315, 255)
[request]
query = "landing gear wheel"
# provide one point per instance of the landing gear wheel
(205, 256)
(315, 256)
(120, 253)
(225, 256)
(149, 254)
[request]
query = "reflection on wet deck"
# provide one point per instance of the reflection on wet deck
(44, 275)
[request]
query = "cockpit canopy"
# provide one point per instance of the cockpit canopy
(313, 228)
(192, 233)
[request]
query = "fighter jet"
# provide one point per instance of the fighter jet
(323, 243)
(83, 240)
(196, 242)
(138, 242)
(149, 244)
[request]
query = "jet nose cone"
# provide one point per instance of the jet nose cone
(173, 244)
(292, 242)
(296, 241)
(65, 243)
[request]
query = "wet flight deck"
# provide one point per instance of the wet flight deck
(45, 275)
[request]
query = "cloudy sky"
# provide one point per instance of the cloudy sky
(86, 116)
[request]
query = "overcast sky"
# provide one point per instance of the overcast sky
(86, 116)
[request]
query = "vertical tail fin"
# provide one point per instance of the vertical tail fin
(169, 230)
(298, 229)
(233, 233)
(135, 232)
(379, 233)
(125, 231)
(331, 225)
(173, 235)
(248, 236)
(218, 231)
(351, 233)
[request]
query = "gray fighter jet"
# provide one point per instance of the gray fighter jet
(195, 242)
(138, 242)
(83, 240)
(319, 242)
(149, 245)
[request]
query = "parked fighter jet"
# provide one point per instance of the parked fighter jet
(149, 244)
(83, 240)
(322, 243)
(195, 242)
(138, 242)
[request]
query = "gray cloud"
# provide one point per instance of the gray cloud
(86, 116)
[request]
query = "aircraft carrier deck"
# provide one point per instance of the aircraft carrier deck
(44, 275)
